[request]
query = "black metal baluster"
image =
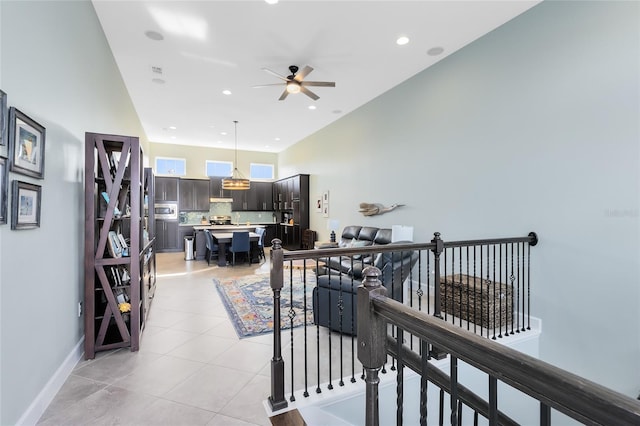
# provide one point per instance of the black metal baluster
(495, 302)
(475, 298)
(488, 292)
(481, 292)
(353, 339)
(454, 389)
(306, 362)
(292, 315)
(341, 311)
(446, 286)
(468, 298)
(505, 292)
(459, 413)
(528, 286)
(424, 352)
(493, 400)
(475, 418)
(523, 284)
(441, 416)
(512, 278)
(517, 286)
(399, 378)
(545, 414)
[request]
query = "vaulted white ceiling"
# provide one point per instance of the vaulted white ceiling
(177, 83)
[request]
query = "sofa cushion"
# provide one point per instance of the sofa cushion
(367, 233)
(348, 234)
(383, 236)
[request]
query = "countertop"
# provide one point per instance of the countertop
(226, 227)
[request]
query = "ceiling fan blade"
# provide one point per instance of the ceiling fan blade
(302, 74)
(319, 83)
(309, 93)
(268, 85)
(284, 95)
(275, 73)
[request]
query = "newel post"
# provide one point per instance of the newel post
(372, 332)
(277, 400)
(437, 251)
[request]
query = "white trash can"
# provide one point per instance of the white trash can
(188, 248)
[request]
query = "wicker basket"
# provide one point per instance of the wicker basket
(474, 299)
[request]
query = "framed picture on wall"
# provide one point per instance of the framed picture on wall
(4, 175)
(25, 205)
(318, 204)
(3, 118)
(26, 144)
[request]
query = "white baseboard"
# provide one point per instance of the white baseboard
(49, 391)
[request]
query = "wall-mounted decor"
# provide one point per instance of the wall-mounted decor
(3, 118)
(25, 205)
(369, 209)
(325, 204)
(318, 204)
(4, 174)
(26, 144)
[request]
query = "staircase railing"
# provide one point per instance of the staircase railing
(553, 387)
(483, 286)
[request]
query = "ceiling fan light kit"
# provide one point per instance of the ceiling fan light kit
(295, 82)
(236, 182)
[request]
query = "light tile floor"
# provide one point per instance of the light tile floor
(191, 369)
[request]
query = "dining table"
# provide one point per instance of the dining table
(223, 239)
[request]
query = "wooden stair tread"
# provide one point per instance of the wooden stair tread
(289, 418)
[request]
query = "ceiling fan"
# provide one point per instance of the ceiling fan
(296, 83)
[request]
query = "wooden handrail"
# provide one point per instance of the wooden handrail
(579, 398)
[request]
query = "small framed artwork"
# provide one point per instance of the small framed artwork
(26, 144)
(3, 118)
(325, 210)
(318, 204)
(25, 205)
(325, 197)
(4, 184)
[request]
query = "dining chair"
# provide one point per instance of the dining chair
(261, 232)
(240, 243)
(211, 247)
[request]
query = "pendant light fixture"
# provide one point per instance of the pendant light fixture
(236, 182)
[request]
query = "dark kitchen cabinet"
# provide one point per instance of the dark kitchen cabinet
(167, 238)
(271, 232)
(291, 195)
(166, 189)
(257, 199)
(194, 195)
(215, 189)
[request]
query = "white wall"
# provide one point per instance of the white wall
(57, 68)
(533, 127)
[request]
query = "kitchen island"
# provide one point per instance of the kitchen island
(200, 240)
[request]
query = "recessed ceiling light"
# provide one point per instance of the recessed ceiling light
(271, 1)
(223, 133)
(154, 35)
(157, 80)
(276, 139)
(172, 127)
(401, 41)
(435, 51)
(312, 107)
(226, 92)
(173, 137)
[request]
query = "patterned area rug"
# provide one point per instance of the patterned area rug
(249, 302)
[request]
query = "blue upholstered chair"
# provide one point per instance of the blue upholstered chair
(211, 247)
(240, 243)
(261, 232)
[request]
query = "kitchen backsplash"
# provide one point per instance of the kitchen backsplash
(224, 209)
